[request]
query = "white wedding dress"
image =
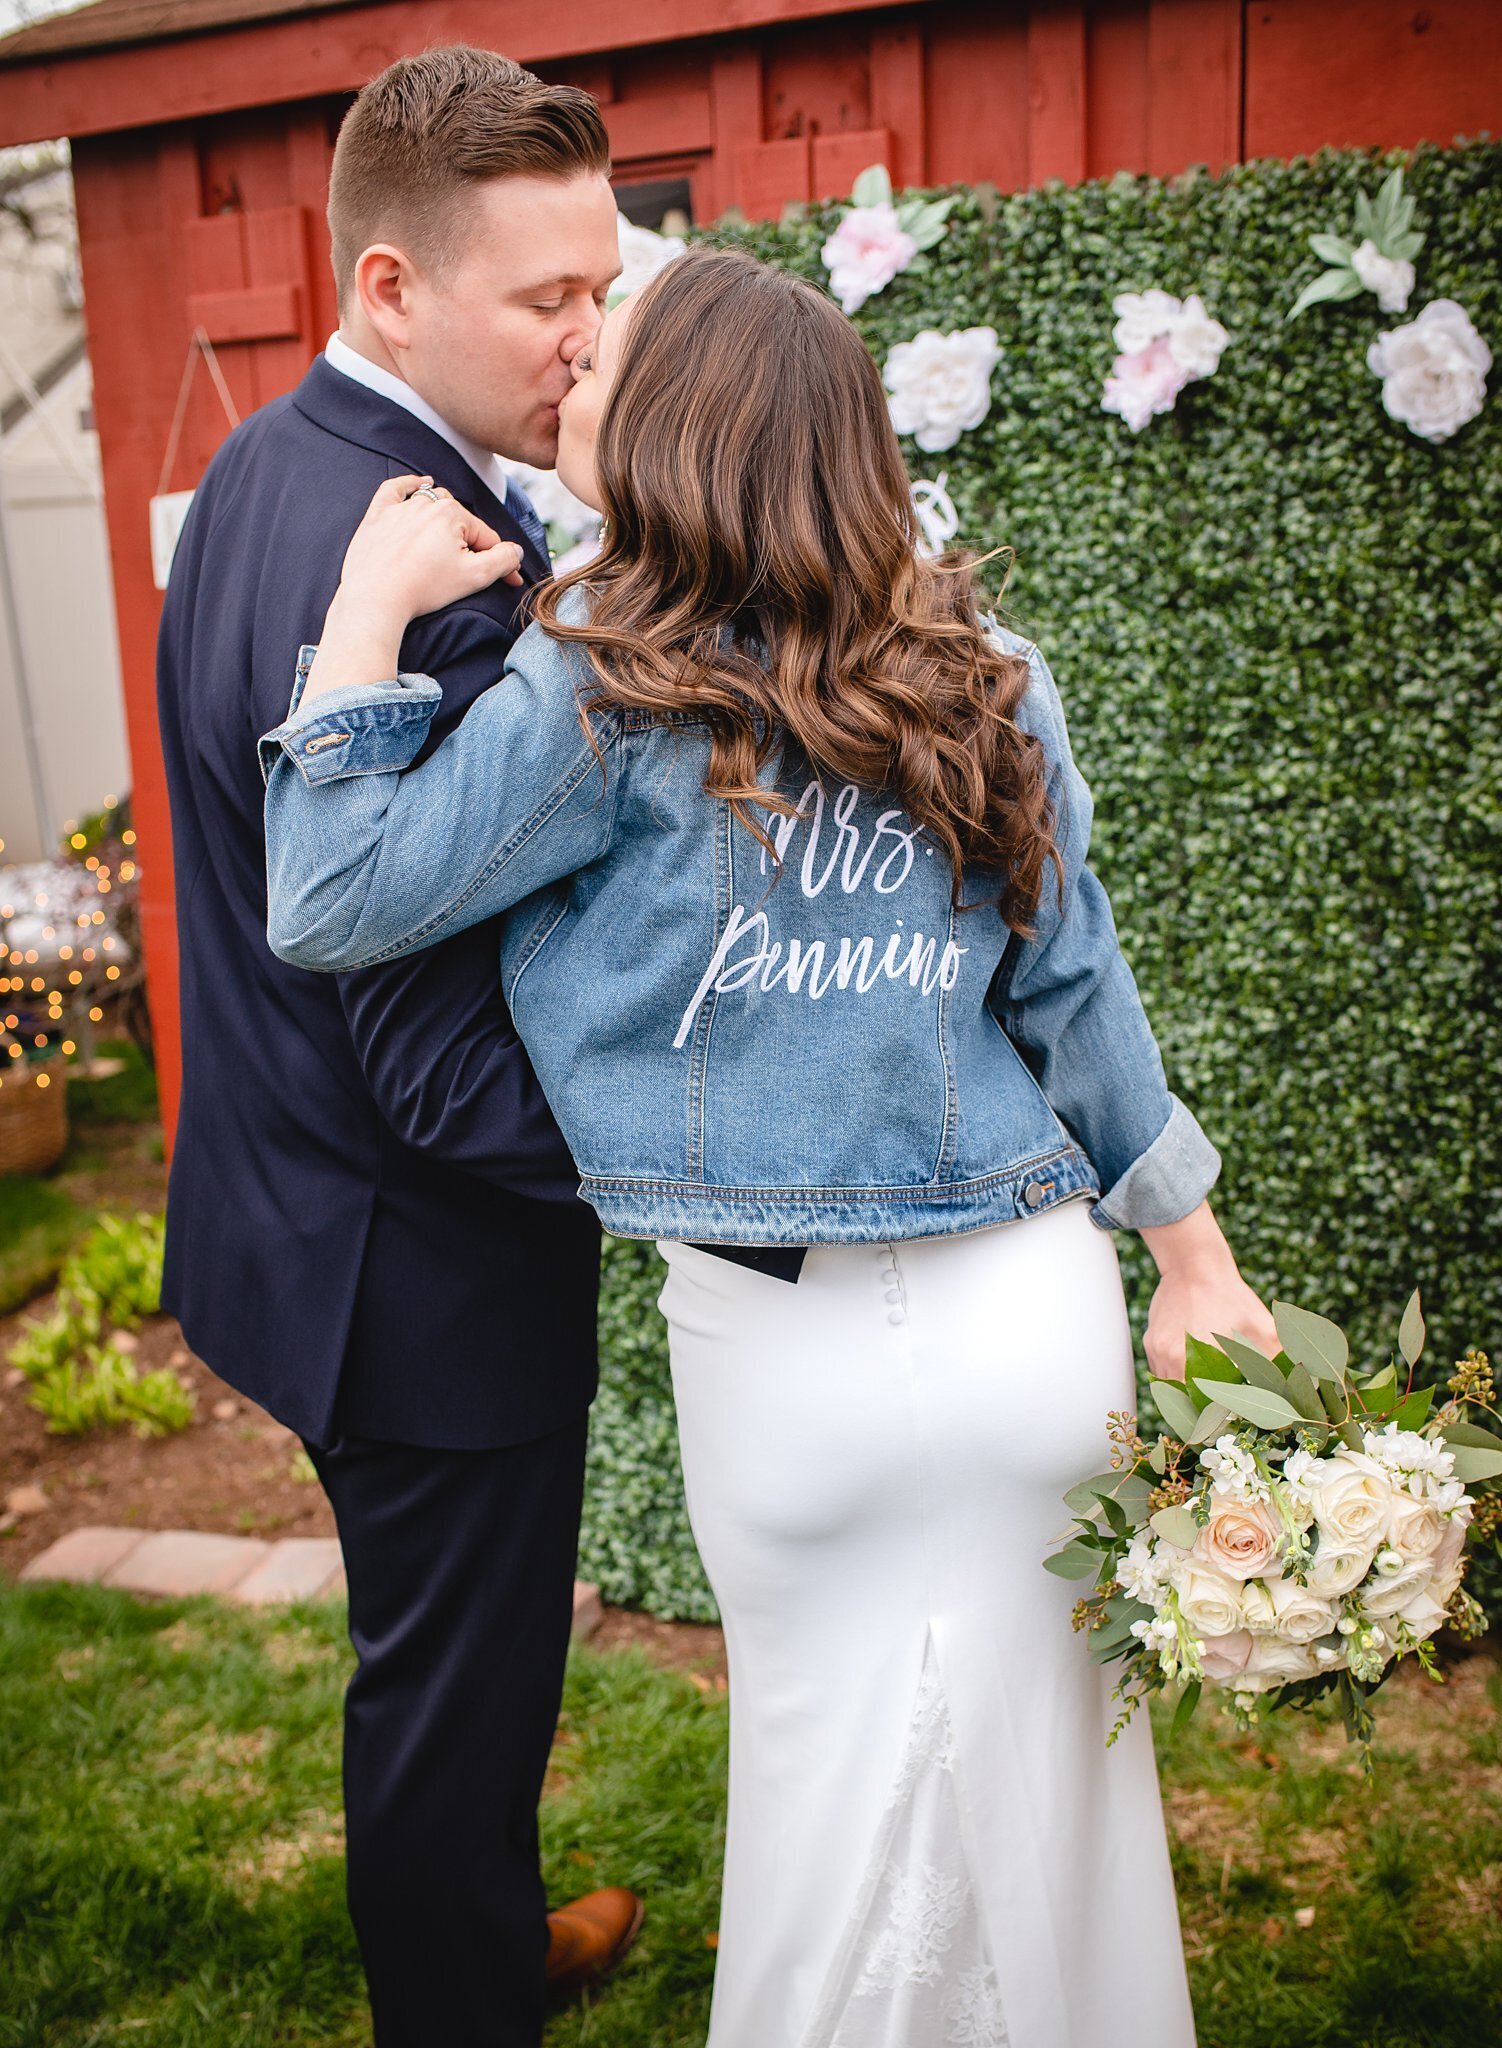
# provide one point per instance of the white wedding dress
(929, 1843)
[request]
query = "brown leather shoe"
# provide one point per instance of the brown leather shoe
(587, 1938)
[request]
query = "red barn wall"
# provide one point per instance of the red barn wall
(201, 182)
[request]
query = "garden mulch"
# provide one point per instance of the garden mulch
(234, 1471)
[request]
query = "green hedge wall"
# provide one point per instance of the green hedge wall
(1274, 618)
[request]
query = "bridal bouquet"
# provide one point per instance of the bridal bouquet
(1293, 1531)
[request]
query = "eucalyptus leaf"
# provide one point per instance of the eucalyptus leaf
(1213, 1419)
(1157, 1457)
(1073, 1562)
(1110, 1633)
(1256, 1404)
(1176, 1525)
(1082, 1498)
(1350, 1434)
(1313, 1340)
(1304, 1394)
(1256, 1368)
(1471, 1464)
(873, 187)
(1411, 1330)
(1334, 1398)
(1114, 1514)
(1178, 1411)
(1472, 1435)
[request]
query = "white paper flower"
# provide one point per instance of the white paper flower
(1433, 370)
(1143, 316)
(643, 253)
(1195, 341)
(1143, 385)
(866, 251)
(941, 384)
(1388, 276)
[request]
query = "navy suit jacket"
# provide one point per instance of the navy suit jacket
(372, 1224)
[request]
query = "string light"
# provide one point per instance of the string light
(47, 912)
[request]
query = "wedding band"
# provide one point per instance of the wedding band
(426, 491)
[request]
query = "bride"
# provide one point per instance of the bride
(802, 942)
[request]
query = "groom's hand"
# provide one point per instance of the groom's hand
(417, 549)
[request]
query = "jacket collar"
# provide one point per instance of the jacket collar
(369, 420)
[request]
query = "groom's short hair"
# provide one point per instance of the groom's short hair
(428, 130)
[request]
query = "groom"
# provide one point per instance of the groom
(372, 1226)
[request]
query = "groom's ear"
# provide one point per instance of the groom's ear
(384, 281)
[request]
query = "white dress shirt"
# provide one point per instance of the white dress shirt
(486, 465)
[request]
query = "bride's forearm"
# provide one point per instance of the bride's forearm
(1194, 1247)
(360, 644)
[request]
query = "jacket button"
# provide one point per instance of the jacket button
(1032, 1194)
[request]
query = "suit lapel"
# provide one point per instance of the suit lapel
(341, 406)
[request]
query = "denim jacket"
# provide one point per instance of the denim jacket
(813, 1048)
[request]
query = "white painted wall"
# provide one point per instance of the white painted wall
(52, 528)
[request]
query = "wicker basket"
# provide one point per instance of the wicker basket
(33, 1116)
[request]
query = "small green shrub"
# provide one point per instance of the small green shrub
(119, 1265)
(81, 1373)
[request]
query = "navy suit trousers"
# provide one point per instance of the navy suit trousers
(461, 1569)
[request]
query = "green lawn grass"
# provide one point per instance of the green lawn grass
(170, 1840)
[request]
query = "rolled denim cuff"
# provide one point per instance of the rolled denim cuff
(1167, 1181)
(361, 729)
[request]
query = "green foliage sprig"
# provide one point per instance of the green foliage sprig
(81, 1372)
(1387, 224)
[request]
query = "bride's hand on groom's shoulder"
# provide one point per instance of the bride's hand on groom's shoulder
(417, 549)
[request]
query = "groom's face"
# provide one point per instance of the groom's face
(491, 340)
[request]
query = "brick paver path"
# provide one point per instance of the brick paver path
(178, 1562)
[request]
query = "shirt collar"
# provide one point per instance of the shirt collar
(486, 465)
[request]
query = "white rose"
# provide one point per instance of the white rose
(865, 252)
(1414, 1527)
(1422, 1612)
(1299, 1615)
(1452, 1535)
(1352, 1500)
(1273, 1662)
(643, 254)
(1210, 1604)
(1257, 1610)
(1241, 1538)
(1195, 340)
(1141, 318)
(1388, 276)
(1389, 1595)
(1337, 1567)
(941, 384)
(1433, 370)
(1224, 1657)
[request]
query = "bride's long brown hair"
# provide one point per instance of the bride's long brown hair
(751, 480)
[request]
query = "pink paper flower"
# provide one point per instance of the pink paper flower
(1144, 383)
(865, 252)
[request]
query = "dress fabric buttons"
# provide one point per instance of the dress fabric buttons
(896, 1316)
